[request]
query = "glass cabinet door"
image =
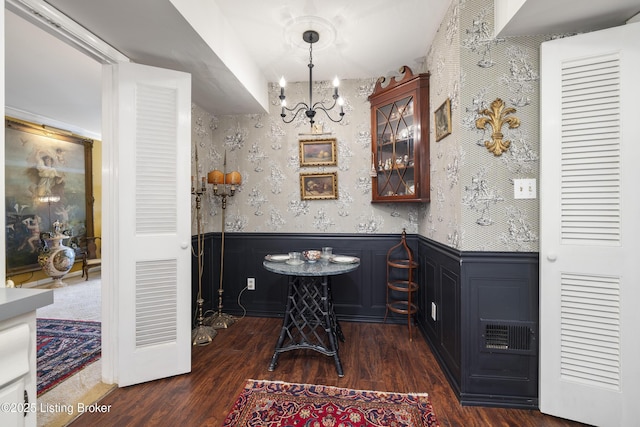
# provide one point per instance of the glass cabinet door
(400, 139)
(395, 150)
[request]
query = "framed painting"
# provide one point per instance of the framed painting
(47, 179)
(319, 186)
(318, 152)
(442, 120)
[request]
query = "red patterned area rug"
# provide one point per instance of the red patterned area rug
(279, 404)
(63, 348)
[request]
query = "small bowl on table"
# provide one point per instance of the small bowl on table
(311, 255)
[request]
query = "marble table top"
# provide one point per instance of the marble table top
(318, 268)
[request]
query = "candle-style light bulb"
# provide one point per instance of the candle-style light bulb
(283, 101)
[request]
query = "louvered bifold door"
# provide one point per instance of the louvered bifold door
(590, 234)
(153, 226)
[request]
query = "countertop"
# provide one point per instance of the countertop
(17, 301)
(305, 268)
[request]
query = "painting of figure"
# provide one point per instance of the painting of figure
(45, 181)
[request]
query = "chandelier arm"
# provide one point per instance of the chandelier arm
(299, 106)
(303, 108)
(329, 116)
(320, 106)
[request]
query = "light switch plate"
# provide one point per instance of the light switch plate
(524, 188)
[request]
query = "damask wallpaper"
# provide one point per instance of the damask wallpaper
(473, 206)
(472, 203)
(266, 152)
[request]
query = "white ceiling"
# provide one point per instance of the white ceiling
(238, 46)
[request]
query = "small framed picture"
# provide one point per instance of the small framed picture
(442, 120)
(319, 186)
(318, 152)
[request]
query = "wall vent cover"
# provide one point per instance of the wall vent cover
(508, 337)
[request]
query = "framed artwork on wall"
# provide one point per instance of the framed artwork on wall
(319, 186)
(442, 120)
(318, 152)
(47, 179)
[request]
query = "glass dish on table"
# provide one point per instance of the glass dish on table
(344, 259)
(277, 258)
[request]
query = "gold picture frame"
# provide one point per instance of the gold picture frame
(48, 177)
(319, 186)
(318, 152)
(442, 120)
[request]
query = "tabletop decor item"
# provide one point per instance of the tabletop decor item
(343, 259)
(294, 259)
(277, 258)
(327, 251)
(312, 255)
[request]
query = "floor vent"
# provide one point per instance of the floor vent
(508, 337)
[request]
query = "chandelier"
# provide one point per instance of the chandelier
(310, 109)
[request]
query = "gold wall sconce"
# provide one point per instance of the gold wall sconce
(497, 117)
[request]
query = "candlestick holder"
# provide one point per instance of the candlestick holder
(224, 186)
(202, 334)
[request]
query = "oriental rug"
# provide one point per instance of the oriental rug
(280, 404)
(64, 347)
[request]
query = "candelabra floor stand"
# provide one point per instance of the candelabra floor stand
(220, 320)
(202, 335)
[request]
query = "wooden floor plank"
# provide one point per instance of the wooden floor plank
(374, 356)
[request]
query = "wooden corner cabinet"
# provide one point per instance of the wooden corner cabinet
(400, 138)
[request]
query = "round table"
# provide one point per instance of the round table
(309, 319)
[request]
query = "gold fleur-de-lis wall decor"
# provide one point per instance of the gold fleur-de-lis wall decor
(497, 117)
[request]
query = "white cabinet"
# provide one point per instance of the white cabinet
(18, 375)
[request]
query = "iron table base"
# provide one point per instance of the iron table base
(309, 320)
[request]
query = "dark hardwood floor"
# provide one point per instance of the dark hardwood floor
(374, 357)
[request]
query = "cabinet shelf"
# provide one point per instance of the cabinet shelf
(393, 144)
(400, 129)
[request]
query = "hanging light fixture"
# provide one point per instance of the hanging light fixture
(310, 109)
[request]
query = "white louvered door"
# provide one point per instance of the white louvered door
(149, 192)
(590, 222)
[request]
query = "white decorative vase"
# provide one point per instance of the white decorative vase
(57, 259)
